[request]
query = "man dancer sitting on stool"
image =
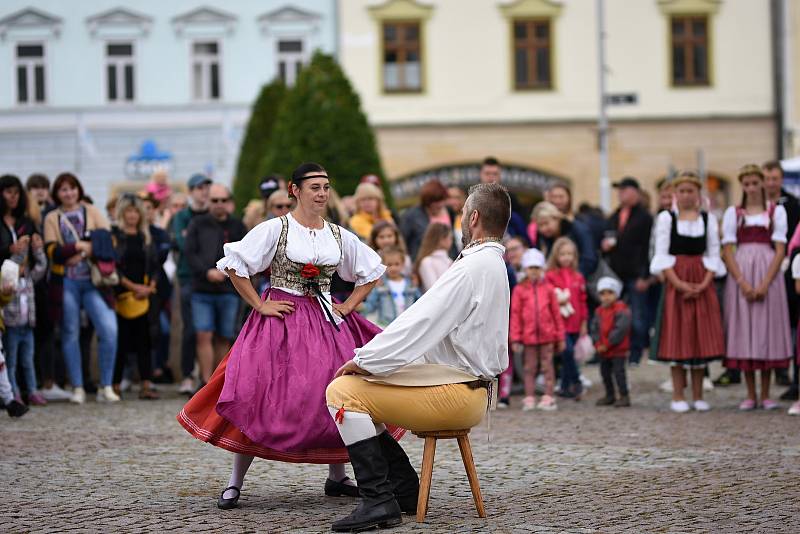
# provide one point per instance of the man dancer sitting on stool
(456, 337)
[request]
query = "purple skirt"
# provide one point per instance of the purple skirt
(756, 331)
(278, 370)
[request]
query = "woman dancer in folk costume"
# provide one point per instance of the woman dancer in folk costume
(267, 397)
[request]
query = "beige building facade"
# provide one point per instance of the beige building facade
(447, 82)
(791, 89)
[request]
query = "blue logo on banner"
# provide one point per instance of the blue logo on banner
(150, 158)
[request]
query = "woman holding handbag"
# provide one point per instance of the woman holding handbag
(67, 236)
(138, 268)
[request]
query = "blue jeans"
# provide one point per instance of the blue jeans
(570, 378)
(81, 294)
(215, 312)
(18, 342)
(637, 302)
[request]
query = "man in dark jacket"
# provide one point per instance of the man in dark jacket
(198, 194)
(627, 245)
(214, 300)
(491, 173)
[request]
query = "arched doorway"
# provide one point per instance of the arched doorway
(528, 183)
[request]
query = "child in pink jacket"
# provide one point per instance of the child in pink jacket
(537, 325)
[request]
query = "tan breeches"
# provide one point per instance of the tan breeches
(416, 408)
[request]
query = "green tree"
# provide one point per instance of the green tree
(320, 120)
(256, 142)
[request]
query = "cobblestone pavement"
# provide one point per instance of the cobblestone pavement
(130, 468)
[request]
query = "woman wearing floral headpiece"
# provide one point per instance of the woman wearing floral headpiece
(267, 398)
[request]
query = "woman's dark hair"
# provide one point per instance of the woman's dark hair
(37, 180)
(63, 179)
(432, 191)
(8, 181)
(298, 175)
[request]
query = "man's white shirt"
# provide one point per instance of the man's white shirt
(461, 322)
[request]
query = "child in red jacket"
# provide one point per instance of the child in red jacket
(610, 331)
(563, 274)
(537, 325)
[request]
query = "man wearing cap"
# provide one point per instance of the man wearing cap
(198, 185)
(626, 244)
(215, 302)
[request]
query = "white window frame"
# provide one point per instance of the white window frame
(205, 61)
(120, 62)
(290, 59)
(30, 65)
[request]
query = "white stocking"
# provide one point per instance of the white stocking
(354, 426)
(337, 473)
(241, 463)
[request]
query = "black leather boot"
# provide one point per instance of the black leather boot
(378, 507)
(402, 475)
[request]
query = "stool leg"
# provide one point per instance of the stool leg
(425, 483)
(472, 474)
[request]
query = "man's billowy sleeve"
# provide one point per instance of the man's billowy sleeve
(422, 326)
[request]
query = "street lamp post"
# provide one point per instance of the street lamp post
(602, 120)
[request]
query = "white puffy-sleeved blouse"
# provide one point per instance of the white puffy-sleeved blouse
(356, 262)
(663, 260)
(779, 224)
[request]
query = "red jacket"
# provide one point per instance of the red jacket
(566, 278)
(535, 316)
(612, 327)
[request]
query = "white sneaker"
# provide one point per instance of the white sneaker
(125, 385)
(795, 409)
(702, 406)
(708, 385)
(187, 387)
(106, 394)
(666, 386)
(78, 396)
(528, 404)
(55, 393)
(679, 406)
(585, 382)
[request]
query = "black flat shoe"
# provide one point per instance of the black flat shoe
(16, 409)
(340, 489)
(228, 504)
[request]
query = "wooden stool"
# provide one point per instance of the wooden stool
(427, 468)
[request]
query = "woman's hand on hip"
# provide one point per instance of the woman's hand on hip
(276, 308)
(342, 309)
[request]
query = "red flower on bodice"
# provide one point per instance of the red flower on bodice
(309, 271)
